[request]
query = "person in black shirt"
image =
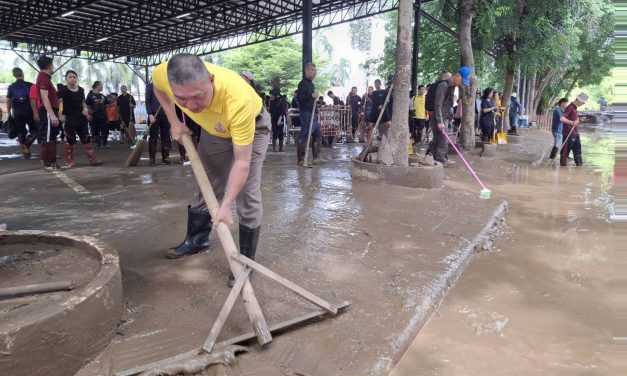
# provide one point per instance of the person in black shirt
(75, 112)
(487, 115)
(295, 104)
(355, 102)
(97, 103)
(22, 115)
(126, 104)
(278, 109)
(378, 98)
(159, 128)
(307, 95)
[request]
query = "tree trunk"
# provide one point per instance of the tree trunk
(572, 86)
(399, 134)
(467, 10)
(532, 88)
(510, 72)
(507, 94)
(543, 83)
(522, 92)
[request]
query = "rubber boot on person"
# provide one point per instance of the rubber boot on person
(199, 227)
(300, 151)
(152, 152)
(24, 146)
(316, 145)
(49, 155)
(554, 151)
(274, 145)
(91, 155)
(280, 145)
(248, 240)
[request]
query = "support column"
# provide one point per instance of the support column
(416, 47)
(307, 32)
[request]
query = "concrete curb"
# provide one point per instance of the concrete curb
(437, 291)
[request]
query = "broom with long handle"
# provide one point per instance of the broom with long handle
(139, 147)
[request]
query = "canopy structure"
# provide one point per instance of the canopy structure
(146, 32)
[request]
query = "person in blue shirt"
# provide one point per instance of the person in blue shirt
(515, 109)
(558, 126)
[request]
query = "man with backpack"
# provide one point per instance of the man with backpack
(439, 103)
(22, 115)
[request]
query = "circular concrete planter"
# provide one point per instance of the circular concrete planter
(71, 327)
(413, 177)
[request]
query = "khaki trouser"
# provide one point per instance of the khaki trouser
(217, 157)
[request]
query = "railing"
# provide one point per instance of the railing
(334, 121)
(542, 121)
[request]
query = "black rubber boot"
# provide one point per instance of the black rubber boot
(248, 239)
(578, 160)
(198, 228)
(553, 153)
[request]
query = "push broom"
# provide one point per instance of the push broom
(485, 192)
(138, 148)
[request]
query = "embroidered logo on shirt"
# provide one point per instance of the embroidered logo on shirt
(219, 128)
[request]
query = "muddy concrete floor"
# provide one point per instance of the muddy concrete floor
(539, 301)
(392, 251)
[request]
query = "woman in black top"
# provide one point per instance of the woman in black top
(487, 115)
(76, 112)
(97, 103)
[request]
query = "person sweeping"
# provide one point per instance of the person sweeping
(572, 142)
(233, 143)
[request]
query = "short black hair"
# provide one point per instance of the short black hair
(18, 72)
(420, 86)
(329, 93)
(44, 62)
(96, 83)
(377, 80)
(563, 100)
(310, 64)
(70, 72)
(184, 69)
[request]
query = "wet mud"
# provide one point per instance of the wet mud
(537, 300)
(392, 251)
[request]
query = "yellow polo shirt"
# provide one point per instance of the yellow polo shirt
(233, 109)
(420, 111)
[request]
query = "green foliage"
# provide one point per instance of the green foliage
(361, 34)
(275, 63)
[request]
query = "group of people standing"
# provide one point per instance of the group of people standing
(41, 111)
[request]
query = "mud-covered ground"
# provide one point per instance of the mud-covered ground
(539, 302)
(392, 251)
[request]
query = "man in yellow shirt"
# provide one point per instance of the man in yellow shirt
(420, 115)
(233, 143)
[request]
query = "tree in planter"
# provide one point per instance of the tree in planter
(399, 133)
(468, 9)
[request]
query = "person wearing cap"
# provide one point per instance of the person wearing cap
(20, 111)
(232, 147)
(514, 114)
(570, 119)
(48, 114)
(442, 106)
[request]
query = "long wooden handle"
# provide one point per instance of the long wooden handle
(260, 326)
(311, 121)
(363, 156)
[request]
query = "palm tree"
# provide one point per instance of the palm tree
(342, 72)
